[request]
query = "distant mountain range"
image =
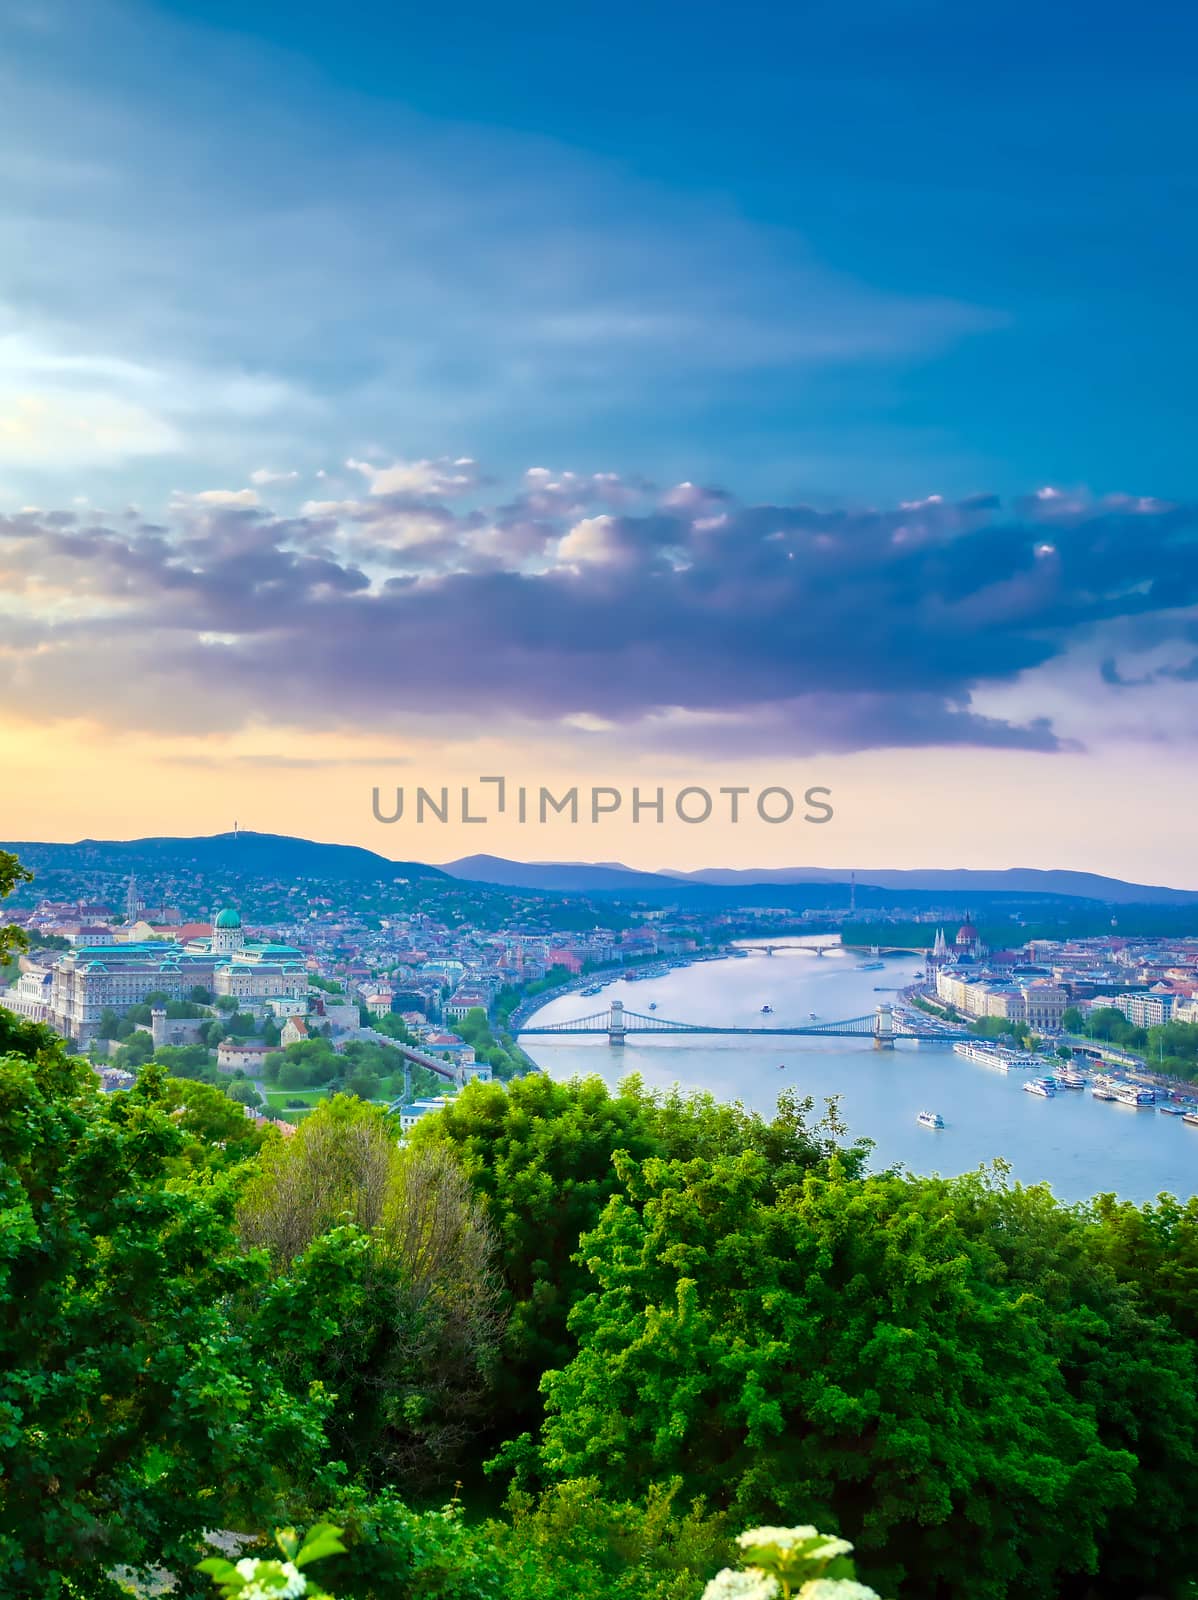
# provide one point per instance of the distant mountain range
(275, 858)
(576, 877)
(269, 856)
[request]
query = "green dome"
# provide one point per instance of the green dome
(228, 919)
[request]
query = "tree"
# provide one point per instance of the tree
(219, 1132)
(244, 1094)
(1072, 1020)
(136, 1050)
(541, 1154)
(199, 994)
(362, 1084)
(884, 1356)
(12, 873)
(132, 1414)
(108, 1025)
(385, 1290)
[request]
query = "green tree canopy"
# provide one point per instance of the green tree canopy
(386, 1291)
(942, 1372)
(130, 1408)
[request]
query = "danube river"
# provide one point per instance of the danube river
(1079, 1145)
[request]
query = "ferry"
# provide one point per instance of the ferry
(870, 966)
(1102, 1089)
(1067, 1078)
(930, 1119)
(1127, 1094)
(995, 1055)
(1044, 1087)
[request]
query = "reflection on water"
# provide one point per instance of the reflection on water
(1081, 1146)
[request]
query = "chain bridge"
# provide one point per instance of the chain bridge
(617, 1023)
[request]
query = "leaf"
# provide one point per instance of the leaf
(323, 1540)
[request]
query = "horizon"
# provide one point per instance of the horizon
(509, 404)
(822, 870)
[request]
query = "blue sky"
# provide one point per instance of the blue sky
(866, 251)
(625, 384)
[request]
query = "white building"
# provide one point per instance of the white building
(29, 997)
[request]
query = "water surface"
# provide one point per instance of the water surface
(1081, 1146)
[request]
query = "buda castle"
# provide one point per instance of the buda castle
(259, 974)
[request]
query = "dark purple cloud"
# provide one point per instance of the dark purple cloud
(824, 629)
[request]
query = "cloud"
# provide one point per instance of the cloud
(218, 497)
(263, 476)
(416, 478)
(83, 429)
(661, 625)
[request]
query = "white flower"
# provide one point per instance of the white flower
(835, 1589)
(784, 1538)
(270, 1580)
(752, 1584)
(829, 1548)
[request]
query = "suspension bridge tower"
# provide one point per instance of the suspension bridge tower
(884, 1028)
(615, 1027)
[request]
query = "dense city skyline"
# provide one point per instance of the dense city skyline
(813, 412)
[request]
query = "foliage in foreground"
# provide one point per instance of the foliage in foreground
(945, 1372)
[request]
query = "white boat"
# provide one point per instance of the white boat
(870, 966)
(930, 1119)
(1067, 1078)
(1044, 1087)
(1129, 1094)
(813, 1015)
(1103, 1089)
(995, 1055)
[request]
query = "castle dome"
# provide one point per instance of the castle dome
(228, 918)
(967, 934)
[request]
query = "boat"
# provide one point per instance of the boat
(813, 1015)
(767, 1011)
(1129, 1094)
(1102, 1089)
(1044, 1087)
(930, 1119)
(1067, 1078)
(995, 1055)
(653, 1005)
(1191, 1117)
(781, 1066)
(1171, 1111)
(870, 966)
(595, 988)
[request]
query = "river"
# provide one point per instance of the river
(1079, 1145)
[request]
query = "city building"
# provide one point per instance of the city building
(88, 980)
(244, 1054)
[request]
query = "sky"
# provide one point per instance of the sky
(603, 395)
